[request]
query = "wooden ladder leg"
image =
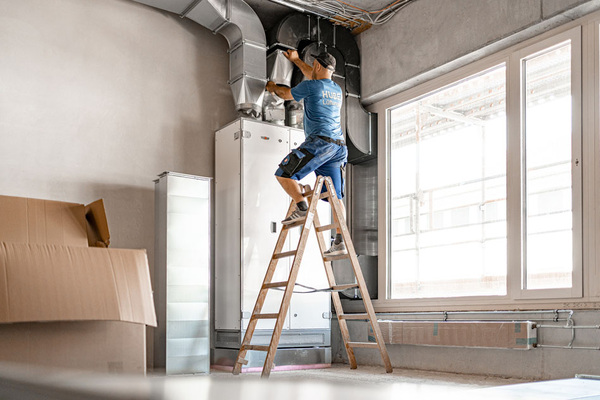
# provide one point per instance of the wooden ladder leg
(260, 300)
(362, 285)
(335, 296)
(289, 290)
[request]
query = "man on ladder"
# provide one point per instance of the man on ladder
(325, 153)
(323, 150)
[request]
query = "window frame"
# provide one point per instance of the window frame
(585, 293)
(517, 269)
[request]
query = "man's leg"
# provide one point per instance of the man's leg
(291, 187)
(334, 170)
(338, 246)
(338, 231)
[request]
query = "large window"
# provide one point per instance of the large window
(484, 194)
(448, 190)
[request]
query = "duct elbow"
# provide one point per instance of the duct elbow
(238, 23)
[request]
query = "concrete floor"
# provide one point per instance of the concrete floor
(373, 375)
(340, 381)
(337, 382)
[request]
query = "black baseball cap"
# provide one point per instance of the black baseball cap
(326, 60)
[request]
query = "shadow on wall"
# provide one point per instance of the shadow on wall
(130, 214)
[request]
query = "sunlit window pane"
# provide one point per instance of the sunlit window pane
(548, 185)
(448, 191)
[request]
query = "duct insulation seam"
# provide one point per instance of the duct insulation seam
(239, 24)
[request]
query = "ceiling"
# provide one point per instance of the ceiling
(270, 12)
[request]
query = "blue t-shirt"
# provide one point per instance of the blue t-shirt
(322, 104)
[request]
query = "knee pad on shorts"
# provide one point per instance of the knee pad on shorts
(294, 161)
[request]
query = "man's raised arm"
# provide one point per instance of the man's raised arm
(306, 69)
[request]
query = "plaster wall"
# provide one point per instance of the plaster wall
(428, 38)
(97, 97)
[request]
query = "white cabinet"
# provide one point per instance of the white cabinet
(249, 207)
(182, 273)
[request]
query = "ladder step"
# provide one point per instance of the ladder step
(285, 254)
(353, 316)
(344, 287)
(368, 345)
(254, 347)
(338, 257)
(322, 196)
(265, 316)
(326, 227)
(274, 285)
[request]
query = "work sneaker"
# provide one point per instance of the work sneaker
(336, 249)
(296, 216)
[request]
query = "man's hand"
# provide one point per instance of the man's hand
(281, 91)
(292, 55)
(271, 86)
(306, 69)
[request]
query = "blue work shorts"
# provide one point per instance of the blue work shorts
(315, 154)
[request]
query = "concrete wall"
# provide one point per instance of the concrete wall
(430, 37)
(534, 364)
(97, 97)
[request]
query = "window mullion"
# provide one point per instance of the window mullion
(514, 112)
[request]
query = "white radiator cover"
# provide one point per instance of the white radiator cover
(520, 335)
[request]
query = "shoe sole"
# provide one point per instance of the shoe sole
(336, 253)
(294, 221)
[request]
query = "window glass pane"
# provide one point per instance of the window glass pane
(548, 184)
(448, 191)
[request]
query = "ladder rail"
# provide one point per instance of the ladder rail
(335, 297)
(362, 284)
(262, 295)
(287, 296)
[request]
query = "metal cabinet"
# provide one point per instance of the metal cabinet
(249, 207)
(182, 273)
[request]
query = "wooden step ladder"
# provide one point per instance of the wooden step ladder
(312, 220)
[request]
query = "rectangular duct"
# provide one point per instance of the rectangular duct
(209, 14)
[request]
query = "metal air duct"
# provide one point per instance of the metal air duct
(310, 35)
(239, 24)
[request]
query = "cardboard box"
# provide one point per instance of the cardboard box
(98, 346)
(35, 221)
(62, 303)
(97, 224)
